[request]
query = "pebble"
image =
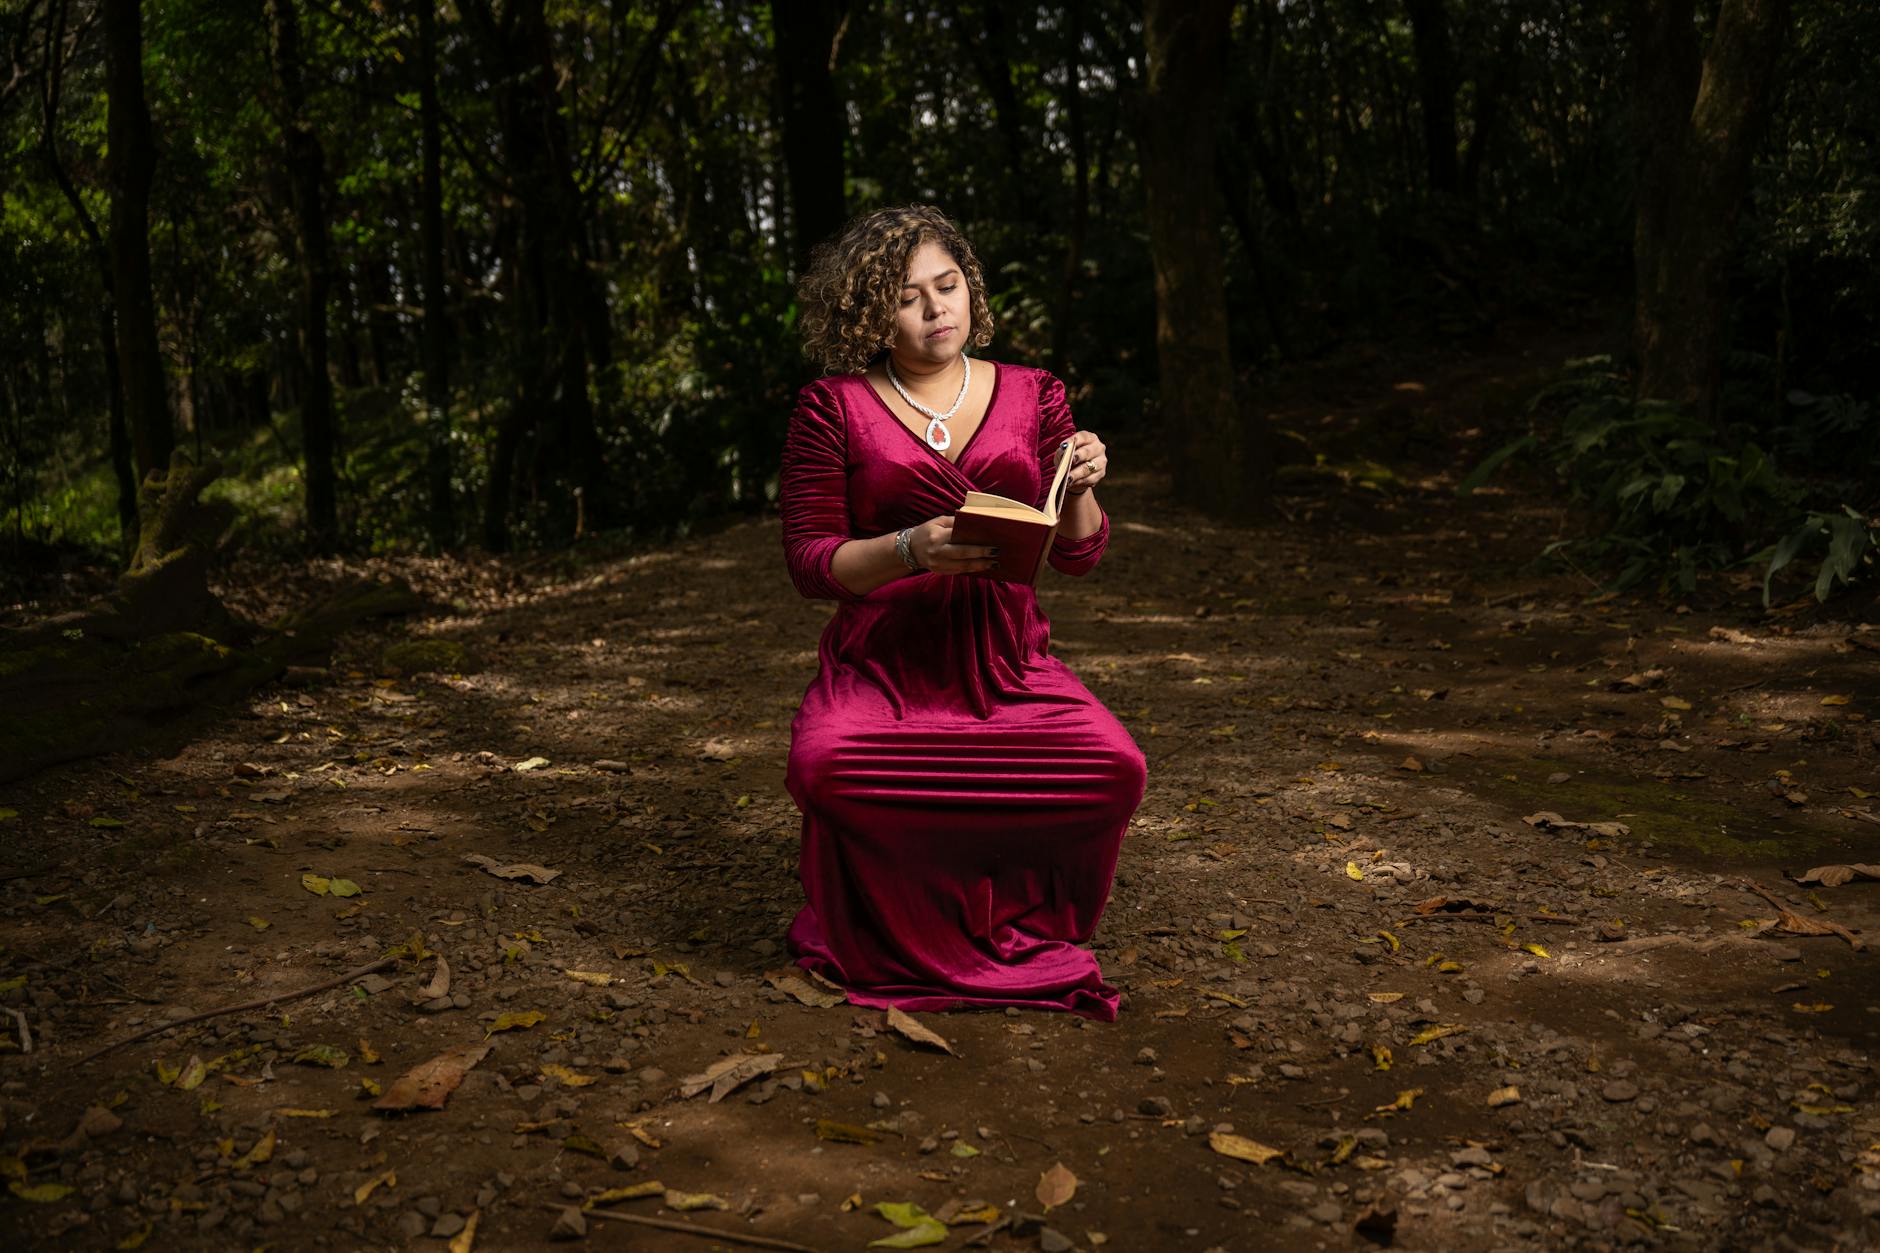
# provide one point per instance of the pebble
(724, 978)
(650, 1075)
(1620, 1090)
(438, 1004)
(1325, 1212)
(1051, 1240)
(412, 1224)
(1781, 1139)
(569, 1225)
(447, 1226)
(881, 1100)
(1471, 1156)
(625, 1157)
(1146, 1057)
(1154, 1106)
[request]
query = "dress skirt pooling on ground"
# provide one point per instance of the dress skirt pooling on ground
(964, 795)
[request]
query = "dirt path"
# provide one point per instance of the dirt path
(1595, 1036)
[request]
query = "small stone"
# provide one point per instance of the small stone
(1146, 1057)
(447, 1226)
(881, 1100)
(764, 948)
(570, 1225)
(1471, 1156)
(1703, 1134)
(625, 1157)
(1327, 1212)
(1154, 1106)
(572, 1190)
(617, 1065)
(1620, 1090)
(372, 985)
(1785, 952)
(724, 978)
(412, 1224)
(430, 1206)
(1051, 1240)
(1781, 1139)
(437, 1005)
(651, 1075)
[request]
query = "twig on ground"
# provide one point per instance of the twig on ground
(690, 1229)
(261, 1003)
(26, 1033)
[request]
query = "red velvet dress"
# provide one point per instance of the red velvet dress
(964, 796)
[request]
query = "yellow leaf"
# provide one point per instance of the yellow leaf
(262, 1152)
(1352, 871)
(1536, 949)
(258, 923)
(1822, 1111)
(41, 1193)
(1504, 1096)
(1236, 1001)
(367, 1054)
(632, 1192)
(844, 1133)
(1819, 1007)
(683, 1201)
(370, 1087)
(1395, 947)
(593, 978)
(1448, 967)
(388, 1178)
(1242, 1149)
(1386, 998)
(1431, 1034)
(319, 885)
(1381, 1053)
(1836, 700)
(1405, 1100)
(515, 1019)
(194, 1072)
(567, 1076)
(1674, 702)
(135, 1240)
(305, 1113)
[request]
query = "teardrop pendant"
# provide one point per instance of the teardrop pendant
(946, 437)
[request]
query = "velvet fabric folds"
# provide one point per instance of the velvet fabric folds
(964, 796)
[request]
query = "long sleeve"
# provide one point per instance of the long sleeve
(1055, 425)
(813, 493)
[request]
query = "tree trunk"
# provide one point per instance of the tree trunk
(441, 516)
(812, 119)
(1063, 322)
(561, 322)
(306, 166)
(1697, 121)
(1219, 461)
(1436, 87)
(131, 165)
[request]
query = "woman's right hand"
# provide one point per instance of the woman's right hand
(933, 548)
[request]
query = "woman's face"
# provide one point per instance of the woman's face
(934, 320)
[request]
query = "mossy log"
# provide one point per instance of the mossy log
(161, 644)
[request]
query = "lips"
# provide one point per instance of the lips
(945, 330)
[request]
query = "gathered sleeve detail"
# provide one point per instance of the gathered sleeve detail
(813, 493)
(1055, 425)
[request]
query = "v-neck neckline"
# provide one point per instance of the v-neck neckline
(998, 376)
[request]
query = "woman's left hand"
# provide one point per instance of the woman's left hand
(1090, 461)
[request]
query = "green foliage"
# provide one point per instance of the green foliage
(1671, 496)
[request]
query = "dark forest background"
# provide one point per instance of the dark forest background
(507, 273)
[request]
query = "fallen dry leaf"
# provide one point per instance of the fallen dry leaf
(515, 1020)
(905, 1024)
(1794, 924)
(1835, 876)
(1431, 1034)
(388, 1178)
(728, 1073)
(1056, 1186)
(802, 990)
(1242, 1149)
(429, 1084)
(440, 981)
(465, 1240)
(515, 870)
(593, 978)
(1504, 1096)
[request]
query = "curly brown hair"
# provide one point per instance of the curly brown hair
(848, 295)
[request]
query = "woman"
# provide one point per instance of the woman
(963, 794)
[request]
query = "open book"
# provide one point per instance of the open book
(1022, 534)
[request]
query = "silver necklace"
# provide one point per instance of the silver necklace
(936, 421)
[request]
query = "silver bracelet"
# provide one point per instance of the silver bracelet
(904, 547)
